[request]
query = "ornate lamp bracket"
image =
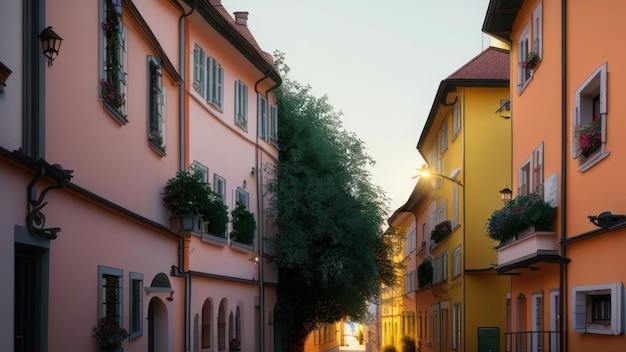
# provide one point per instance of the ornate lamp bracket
(35, 219)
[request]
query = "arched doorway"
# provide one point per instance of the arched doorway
(158, 340)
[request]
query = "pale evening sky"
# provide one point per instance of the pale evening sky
(379, 62)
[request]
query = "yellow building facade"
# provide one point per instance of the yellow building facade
(465, 142)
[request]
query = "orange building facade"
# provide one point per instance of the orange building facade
(566, 292)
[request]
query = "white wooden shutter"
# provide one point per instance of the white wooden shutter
(576, 151)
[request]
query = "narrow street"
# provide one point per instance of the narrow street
(353, 345)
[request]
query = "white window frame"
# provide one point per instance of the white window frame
(456, 120)
(135, 303)
(199, 70)
(440, 268)
(273, 124)
(157, 105)
(581, 309)
(443, 138)
(241, 104)
(455, 207)
(108, 271)
(198, 166)
(530, 176)
(456, 326)
(537, 29)
(456, 262)
(215, 80)
(219, 186)
(523, 48)
(594, 86)
(241, 196)
(262, 116)
(537, 321)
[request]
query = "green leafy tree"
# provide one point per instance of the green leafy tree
(330, 250)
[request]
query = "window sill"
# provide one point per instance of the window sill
(592, 160)
(115, 113)
(157, 148)
(214, 240)
(600, 329)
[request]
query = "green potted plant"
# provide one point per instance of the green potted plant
(441, 231)
(425, 273)
(518, 215)
(109, 335)
(532, 60)
(215, 213)
(244, 225)
(187, 196)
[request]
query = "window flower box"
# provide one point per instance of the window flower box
(187, 196)
(519, 214)
(589, 136)
(441, 231)
(532, 60)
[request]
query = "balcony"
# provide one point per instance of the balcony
(532, 341)
(530, 247)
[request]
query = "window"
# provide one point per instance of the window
(537, 28)
(241, 104)
(114, 60)
(456, 325)
(456, 262)
(443, 138)
(537, 321)
(110, 293)
(531, 41)
(216, 82)
(219, 186)
(440, 268)
(456, 120)
(156, 103)
(530, 174)
(523, 48)
(437, 217)
(136, 305)
(205, 170)
(242, 196)
(273, 124)
(199, 70)
(589, 120)
(262, 116)
(455, 207)
(598, 309)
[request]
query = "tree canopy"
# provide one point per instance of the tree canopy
(330, 249)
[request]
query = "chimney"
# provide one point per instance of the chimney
(241, 17)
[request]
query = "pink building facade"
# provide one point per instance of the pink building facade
(128, 102)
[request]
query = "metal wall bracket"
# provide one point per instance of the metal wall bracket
(35, 219)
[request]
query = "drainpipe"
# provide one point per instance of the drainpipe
(564, 133)
(259, 189)
(260, 227)
(182, 271)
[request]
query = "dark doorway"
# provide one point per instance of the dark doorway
(28, 289)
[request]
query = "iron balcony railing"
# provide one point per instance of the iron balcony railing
(533, 341)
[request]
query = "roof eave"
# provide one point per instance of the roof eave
(500, 17)
(449, 85)
(219, 23)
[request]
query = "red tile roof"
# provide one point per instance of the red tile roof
(491, 63)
